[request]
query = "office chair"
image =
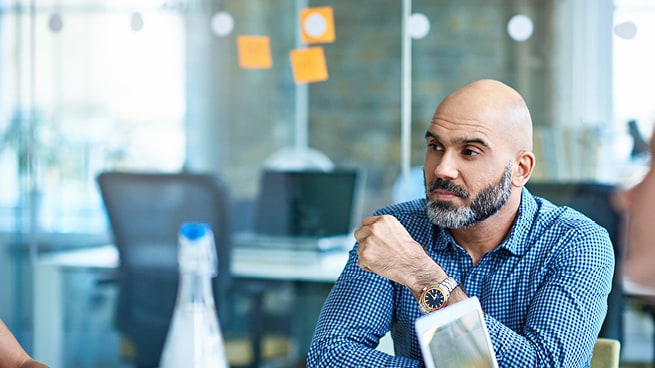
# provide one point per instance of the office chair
(145, 213)
(593, 200)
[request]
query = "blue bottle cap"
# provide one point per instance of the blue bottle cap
(193, 231)
(197, 251)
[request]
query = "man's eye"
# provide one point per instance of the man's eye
(469, 152)
(434, 147)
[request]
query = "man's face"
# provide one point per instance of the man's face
(640, 203)
(467, 172)
(637, 204)
(487, 202)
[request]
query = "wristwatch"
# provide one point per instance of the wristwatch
(435, 297)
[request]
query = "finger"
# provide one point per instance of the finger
(360, 234)
(363, 232)
(366, 229)
(370, 220)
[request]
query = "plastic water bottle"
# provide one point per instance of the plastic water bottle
(194, 338)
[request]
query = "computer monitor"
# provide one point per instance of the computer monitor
(308, 203)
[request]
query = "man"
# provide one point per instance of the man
(638, 203)
(12, 354)
(542, 273)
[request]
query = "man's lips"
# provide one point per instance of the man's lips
(444, 195)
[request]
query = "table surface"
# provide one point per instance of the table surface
(266, 264)
(246, 263)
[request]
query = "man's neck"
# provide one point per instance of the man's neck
(487, 235)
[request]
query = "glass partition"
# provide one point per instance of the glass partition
(213, 86)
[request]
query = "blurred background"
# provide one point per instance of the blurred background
(151, 85)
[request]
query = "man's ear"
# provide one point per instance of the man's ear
(525, 162)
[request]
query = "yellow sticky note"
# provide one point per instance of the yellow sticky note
(309, 65)
(254, 52)
(317, 24)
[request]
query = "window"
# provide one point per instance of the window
(88, 86)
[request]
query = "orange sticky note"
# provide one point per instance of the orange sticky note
(309, 65)
(254, 52)
(317, 25)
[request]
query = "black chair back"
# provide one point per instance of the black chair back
(145, 213)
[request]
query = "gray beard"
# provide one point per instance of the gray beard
(490, 200)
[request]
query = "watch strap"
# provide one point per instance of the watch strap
(449, 284)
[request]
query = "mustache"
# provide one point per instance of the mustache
(448, 186)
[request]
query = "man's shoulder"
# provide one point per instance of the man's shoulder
(555, 235)
(579, 209)
(544, 220)
(571, 227)
(549, 214)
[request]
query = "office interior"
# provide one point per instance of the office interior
(164, 86)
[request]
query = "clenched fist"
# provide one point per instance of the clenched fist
(386, 248)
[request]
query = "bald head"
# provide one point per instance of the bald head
(493, 104)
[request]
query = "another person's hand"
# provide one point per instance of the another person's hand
(12, 354)
(386, 248)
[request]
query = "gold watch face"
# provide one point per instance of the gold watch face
(434, 298)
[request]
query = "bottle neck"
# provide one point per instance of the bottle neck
(195, 288)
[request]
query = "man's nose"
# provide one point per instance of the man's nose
(446, 167)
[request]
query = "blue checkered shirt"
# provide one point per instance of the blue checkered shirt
(543, 292)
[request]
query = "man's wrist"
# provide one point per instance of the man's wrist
(421, 285)
(430, 275)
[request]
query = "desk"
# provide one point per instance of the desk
(266, 264)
